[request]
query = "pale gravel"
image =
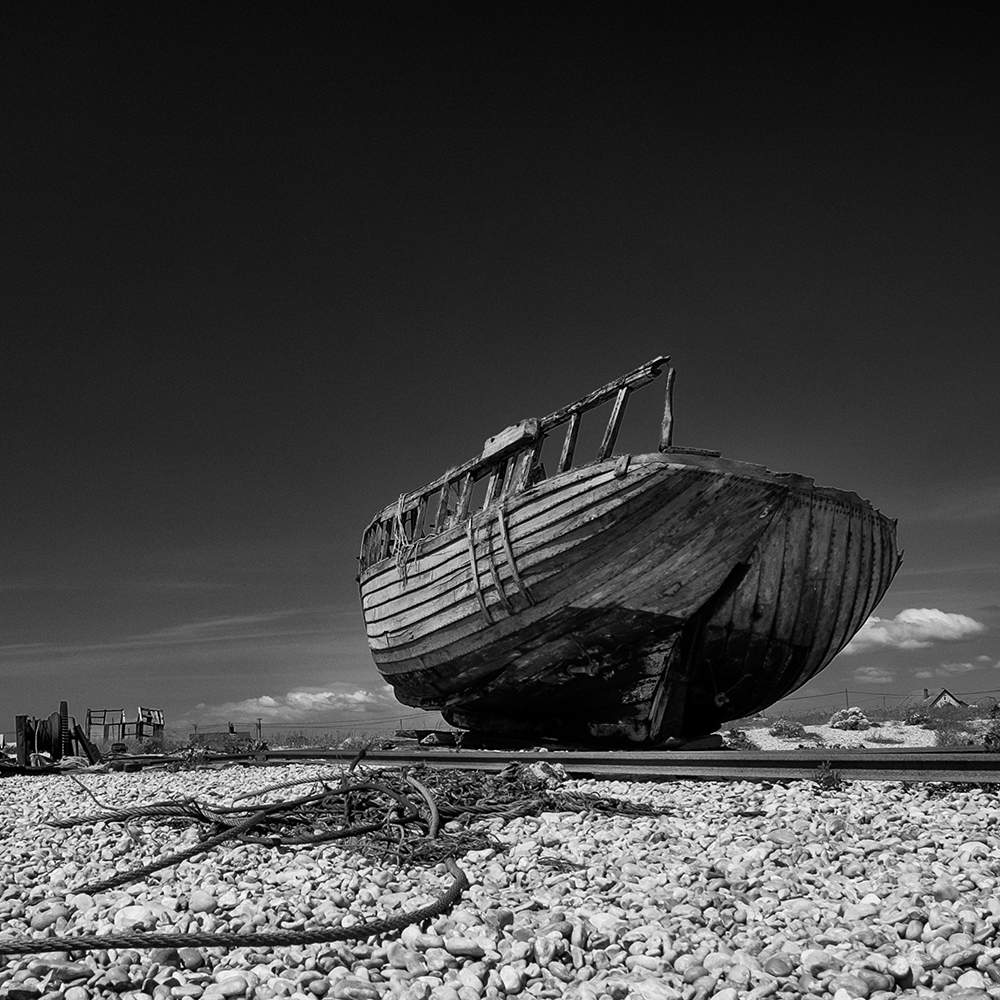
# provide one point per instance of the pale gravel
(901, 735)
(744, 891)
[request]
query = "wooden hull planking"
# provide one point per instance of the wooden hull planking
(620, 602)
(624, 607)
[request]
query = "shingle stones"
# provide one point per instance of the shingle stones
(738, 892)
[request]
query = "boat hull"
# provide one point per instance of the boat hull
(628, 601)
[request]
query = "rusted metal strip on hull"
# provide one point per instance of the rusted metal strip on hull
(498, 584)
(474, 573)
(508, 552)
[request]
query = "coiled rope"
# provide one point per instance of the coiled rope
(403, 812)
(504, 796)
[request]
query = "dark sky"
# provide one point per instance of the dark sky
(266, 267)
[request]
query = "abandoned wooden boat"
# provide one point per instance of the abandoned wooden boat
(620, 602)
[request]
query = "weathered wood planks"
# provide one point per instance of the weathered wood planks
(629, 599)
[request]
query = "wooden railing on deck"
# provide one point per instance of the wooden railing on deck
(510, 460)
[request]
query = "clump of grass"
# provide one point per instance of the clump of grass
(737, 739)
(953, 733)
(788, 729)
(813, 737)
(341, 739)
(849, 718)
(990, 736)
(828, 777)
(886, 740)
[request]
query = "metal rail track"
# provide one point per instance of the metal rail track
(961, 764)
(966, 764)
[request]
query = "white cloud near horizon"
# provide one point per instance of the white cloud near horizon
(913, 628)
(874, 675)
(302, 705)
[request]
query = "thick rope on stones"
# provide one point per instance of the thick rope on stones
(518, 790)
(369, 817)
(322, 935)
(360, 808)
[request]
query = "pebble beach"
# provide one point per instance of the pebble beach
(740, 890)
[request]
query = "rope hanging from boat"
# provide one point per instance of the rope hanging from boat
(402, 549)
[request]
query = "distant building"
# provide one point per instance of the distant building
(111, 724)
(933, 698)
(233, 741)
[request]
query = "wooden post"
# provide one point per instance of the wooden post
(21, 736)
(465, 496)
(494, 487)
(89, 750)
(443, 511)
(667, 427)
(55, 739)
(569, 444)
(418, 524)
(65, 736)
(614, 424)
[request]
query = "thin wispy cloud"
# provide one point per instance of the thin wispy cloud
(296, 621)
(964, 502)
(223, 628)
(92, 582)
(956, 569)
(952, 669)
(914, 628)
